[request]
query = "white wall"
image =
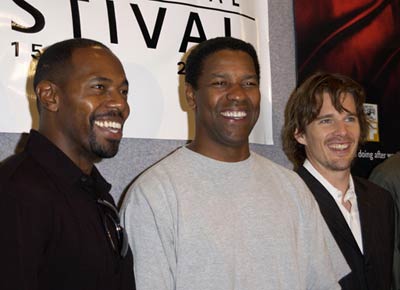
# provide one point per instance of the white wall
(135, 155)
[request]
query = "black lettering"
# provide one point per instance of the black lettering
(36, 14)
(233, 2)
(36, 51)
(112, 23)
(16, 49)
(76, 19)
(228, 30)
(193, 19)
(181, 70)
(151, 41)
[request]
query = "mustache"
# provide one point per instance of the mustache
(241, 104)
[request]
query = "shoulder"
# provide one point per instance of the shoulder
(10, 164)
(267, 163)
(387, 170)
(286, 181)
(371, 190)
(366, 185)
(10, 169)
(23, 179)
(168, 165)
(157, 179)
(276, 170)
(393, 162)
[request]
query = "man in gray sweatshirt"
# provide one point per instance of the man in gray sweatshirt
(213, 214)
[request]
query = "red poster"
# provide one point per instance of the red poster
(361, 39)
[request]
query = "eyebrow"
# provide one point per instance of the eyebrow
(219, 75)
(104, 79)
(331, 115)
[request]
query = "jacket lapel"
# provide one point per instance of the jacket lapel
(329, 209)
(366, 215)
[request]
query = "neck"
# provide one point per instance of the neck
(221, 153)
(338, 178)
(84, 163)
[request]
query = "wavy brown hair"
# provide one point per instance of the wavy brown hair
(305, 103)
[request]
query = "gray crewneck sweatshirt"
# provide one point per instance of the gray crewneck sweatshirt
(195, 223)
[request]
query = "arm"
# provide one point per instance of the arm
(22, 242)
(389, 178)
(10, 252)
(148, 221)
(326, 265)
(330, 257)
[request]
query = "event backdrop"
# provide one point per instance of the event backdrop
(150, 36)
(360, 39)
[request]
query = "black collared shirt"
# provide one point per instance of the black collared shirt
(51, 230)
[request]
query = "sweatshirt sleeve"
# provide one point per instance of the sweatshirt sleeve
(148, 220)
(325, 262)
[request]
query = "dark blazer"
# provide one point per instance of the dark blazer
(373, 269)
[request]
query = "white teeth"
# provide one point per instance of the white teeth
(234, 114)
(339, 146)
(108, 124)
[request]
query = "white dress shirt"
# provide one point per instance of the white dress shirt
(352, 217)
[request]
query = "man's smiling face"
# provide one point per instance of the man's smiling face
(93, 103)
(227, 99)
(331, 140)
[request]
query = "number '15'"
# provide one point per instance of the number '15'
(35, 49)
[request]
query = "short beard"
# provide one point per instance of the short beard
(336, 166)
(103, 151)
(108, 150)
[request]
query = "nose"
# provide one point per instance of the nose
(118, 101)
(341, 128)
(236, 93)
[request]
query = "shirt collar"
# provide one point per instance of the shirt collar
(59, 166)
(350, 193)
(336, 193)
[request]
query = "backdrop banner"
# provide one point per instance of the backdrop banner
(360, 39)
(151, 37)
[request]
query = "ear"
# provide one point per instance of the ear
(190, 96)
(300, 137)
(47, 95)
